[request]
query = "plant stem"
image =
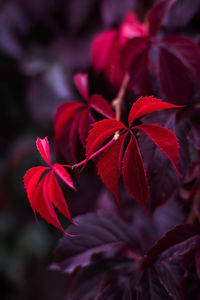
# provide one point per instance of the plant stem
(116, 103)
(192, 216)
(92, 156)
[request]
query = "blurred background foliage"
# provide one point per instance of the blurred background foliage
(43, 43)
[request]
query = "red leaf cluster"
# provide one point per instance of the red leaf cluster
(76, 117)
(107, 46)
(173, 60)
(43, 190)
(116, 160)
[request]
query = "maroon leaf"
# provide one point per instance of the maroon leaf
(134, 174)
(140, 73)
(165, 140)
(180, 236)
(64, 118)
(173, 77)
(109, 165)
(187, 51)
(133, 48)
(81, 82)
(73, 118)
(73, 137)
(84, 124)
(101, 106)
(157, 14)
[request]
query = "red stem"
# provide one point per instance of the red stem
(92, 156)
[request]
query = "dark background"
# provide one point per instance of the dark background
(42, 44)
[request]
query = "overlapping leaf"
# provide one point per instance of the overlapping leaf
(113, 162)
(107, 46)
(75, 118)
(176, 242)
(43, 189)
(97, 233)
(175, 61)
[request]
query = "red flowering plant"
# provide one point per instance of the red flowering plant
(123, 251)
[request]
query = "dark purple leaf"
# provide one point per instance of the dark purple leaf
(173, 77)
(178, 241)
(169, 277)
(89, 280)
(150, 288)
(163, 180)
(96, 233)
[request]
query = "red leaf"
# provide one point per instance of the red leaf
(101, 106)
(140, 79)
(109, 165)
(146, 105)
(84, 126)
(187, 51)
(43, 148)
(73, 134)
(131, 27)
(31, 172)
(100, 132)
(57, 198)
(65, 117)
(131, 50)
(31, 179)
(61, 108)
(101, 48)
(62, 173)
(173, 76)
(81, 82)
(157, 14)
(46, 208)
(165, 140)
(43, 192)
(134, 175)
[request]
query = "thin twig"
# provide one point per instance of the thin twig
(192, 216)
(116, 103)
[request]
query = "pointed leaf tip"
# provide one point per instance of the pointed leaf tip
(134, 174)
(165, 140)
(145, 105)
(63, 174)
(43, 148)
(81, 82)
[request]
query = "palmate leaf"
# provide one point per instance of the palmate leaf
(97, 233)
(75, 118)
(175, 63)
(43, 190)
(112, 160)
(100, 267)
